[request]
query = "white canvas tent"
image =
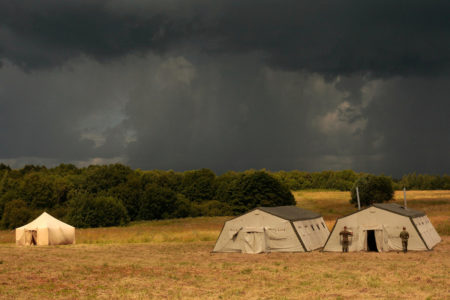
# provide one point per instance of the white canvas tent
(377, 228)
(45, 230)
(273, 229)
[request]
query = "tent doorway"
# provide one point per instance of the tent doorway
(255, 242)
(31, 237)
(371, 241)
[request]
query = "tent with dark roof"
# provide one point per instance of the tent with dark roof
(378, 227)
(273, 229)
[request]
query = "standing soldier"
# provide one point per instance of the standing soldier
(345, 240)
(404, 235)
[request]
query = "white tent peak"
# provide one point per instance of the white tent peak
(45, 220)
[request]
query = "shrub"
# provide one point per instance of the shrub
(184, 208)
(214, 208)
(372, 189)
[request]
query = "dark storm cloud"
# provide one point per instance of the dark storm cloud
(307, 85)
(410, 125)
(57, 115)
(382, 38)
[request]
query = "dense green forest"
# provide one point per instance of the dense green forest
(115, 194)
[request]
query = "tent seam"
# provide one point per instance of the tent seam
(298, 236)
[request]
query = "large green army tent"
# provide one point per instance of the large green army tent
(273, 229)
(378, 227)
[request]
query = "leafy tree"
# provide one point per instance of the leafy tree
(38, 189)
(4, 167)
(259, 189)
(16, 214)
(226, 185)
(88, 211)
(65, 170)
(6, 197)
(198, 185)
(157, 203)
(130, 194)
(98, 179)
(372, 189)
(32, 168)
(167, 179)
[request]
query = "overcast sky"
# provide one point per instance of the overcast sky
(227, 84)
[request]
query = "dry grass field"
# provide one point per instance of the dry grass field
(171, 259)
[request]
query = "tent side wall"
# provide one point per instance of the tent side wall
(427, 230)
(61, 236)
(313, 233)
(20, 236)
(387, 224)
(43, 236)
(258, 231)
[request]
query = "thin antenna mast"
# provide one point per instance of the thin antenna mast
(404, 198)
(357, 196)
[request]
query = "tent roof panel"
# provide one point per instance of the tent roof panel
(291, 213)
(398, 209)
(44, 220)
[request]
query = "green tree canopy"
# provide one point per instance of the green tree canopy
(372, 189)
(16, 213)
(157, 203)
(198, 185)
(259, 189)
(102, 211)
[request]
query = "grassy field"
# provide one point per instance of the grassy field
(171, 259)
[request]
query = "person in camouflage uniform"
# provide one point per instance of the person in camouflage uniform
(345, 240)
(404, 235)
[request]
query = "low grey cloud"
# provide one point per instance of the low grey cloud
(227, 85)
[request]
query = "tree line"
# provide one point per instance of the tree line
(344, 180)
(109, 195)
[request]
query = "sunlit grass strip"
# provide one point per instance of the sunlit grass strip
(331, 204)
(122, 237)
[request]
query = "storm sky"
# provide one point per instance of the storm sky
(226, 84)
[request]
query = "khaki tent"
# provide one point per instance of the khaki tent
(273, 229)
(45, 230)
(377, 228)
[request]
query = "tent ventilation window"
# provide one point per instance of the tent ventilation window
(313, 228)
(318, 226)
(323, 225)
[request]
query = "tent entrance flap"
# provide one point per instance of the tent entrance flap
(255, 242)
(31, 237)
(371, 242)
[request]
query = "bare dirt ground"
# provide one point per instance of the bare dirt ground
(171, 259)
